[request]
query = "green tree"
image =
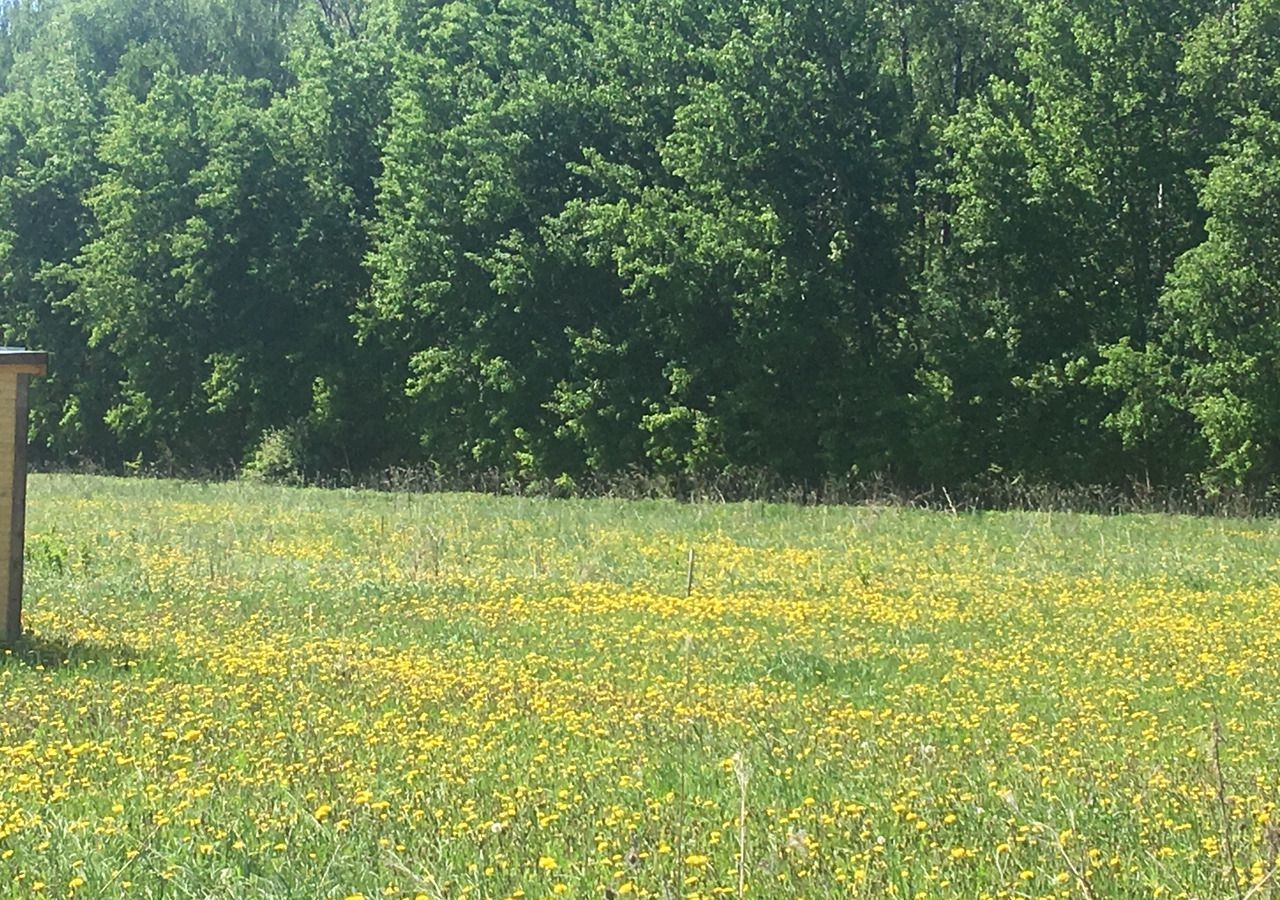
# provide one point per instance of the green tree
(1207, 385)
(49, 115)
(769, 250)
(1075, 196)
(494, 112)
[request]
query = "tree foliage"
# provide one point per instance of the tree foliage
(567, 238)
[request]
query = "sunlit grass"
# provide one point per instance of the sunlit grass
(246, 691)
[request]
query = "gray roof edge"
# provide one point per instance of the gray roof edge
(18, 356)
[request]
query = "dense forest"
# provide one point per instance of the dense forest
(934, 241)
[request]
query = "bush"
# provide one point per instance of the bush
(277, 459)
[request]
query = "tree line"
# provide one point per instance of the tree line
(936, 240)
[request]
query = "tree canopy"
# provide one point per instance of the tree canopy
(577, 238)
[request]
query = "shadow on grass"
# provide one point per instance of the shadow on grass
(37, 651)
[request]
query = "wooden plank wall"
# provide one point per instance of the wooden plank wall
(13, 471)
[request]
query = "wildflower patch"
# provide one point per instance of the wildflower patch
(273, 692)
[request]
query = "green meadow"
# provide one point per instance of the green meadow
(233, 690)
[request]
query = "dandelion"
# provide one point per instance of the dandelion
(474, 717)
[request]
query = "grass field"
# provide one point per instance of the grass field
(239, 691)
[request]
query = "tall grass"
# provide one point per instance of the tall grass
(246, 690)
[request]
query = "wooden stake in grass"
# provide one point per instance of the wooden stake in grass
(688, 577)
(1224, 810)
(742, 773)
(16, 368)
